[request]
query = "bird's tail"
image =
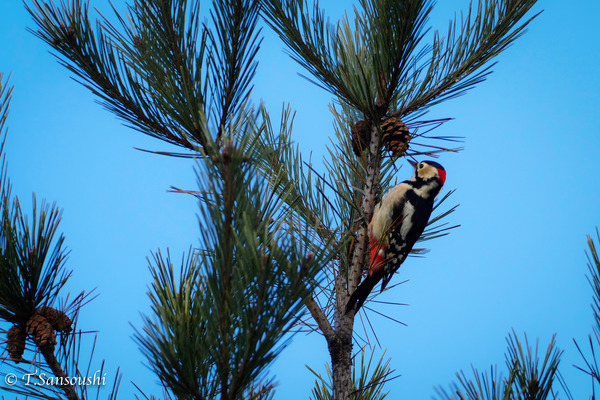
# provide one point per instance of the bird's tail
(361, 293)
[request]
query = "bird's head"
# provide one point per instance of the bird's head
(428, 170)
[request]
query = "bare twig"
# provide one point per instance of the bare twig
(319, 317)
(57, 370)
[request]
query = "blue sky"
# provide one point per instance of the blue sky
(527, 184)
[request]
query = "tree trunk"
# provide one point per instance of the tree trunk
(340, 350)
(340, 342)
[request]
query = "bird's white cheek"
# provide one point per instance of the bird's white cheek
(424, 191)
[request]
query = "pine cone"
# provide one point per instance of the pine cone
(15, 343)
(361, 136)
(41, 331)
(58, 319)
(395, 136)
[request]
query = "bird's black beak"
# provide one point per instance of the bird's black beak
(412, 163)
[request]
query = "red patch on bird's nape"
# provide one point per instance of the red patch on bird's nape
(442, 175)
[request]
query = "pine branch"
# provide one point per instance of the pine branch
(234, 44)
(380, 63)
(594, 275)
(152, 71)
(5, 98)
(460, 60)
(590, 358)
(56, 368)
(527, 377)
(393, 44)
(319, 317)
(533, 379)
(292, 179)
(309, 39)
(106, 64)
(245, 290)
(32, 269)
(171, 342)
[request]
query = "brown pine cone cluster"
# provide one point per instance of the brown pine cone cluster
(42, 327)
(41, 331)
(15, 342)
(394, 136)
(58, 319)
(361, 136)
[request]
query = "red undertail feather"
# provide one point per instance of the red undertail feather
(377, 262)
(377, 259)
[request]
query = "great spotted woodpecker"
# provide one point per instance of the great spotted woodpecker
(398, 222)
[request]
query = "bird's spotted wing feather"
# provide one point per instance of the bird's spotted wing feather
(413, 214)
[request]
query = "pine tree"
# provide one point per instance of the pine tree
(276, 237)
(378, 68)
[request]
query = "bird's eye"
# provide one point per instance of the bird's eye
(421, 165)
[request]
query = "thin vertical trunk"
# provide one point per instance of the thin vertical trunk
(340, 350)
(340, 344)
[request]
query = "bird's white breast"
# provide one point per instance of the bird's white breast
(382, 217)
